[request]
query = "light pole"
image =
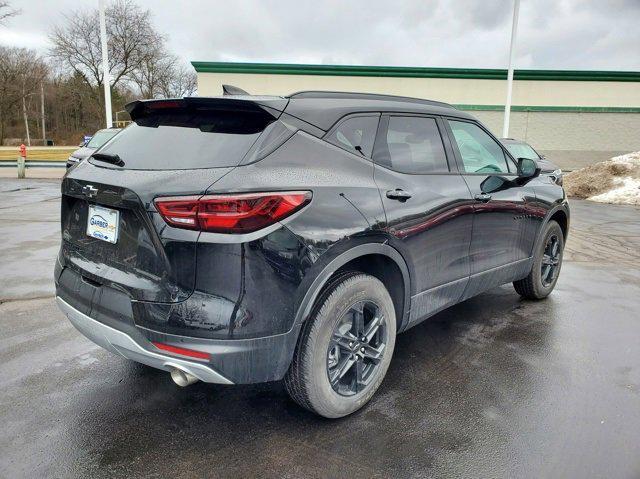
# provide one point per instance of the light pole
(507, 105)
(44, 133)
(105, 65)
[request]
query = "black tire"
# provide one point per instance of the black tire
(307, 380)
(538, 284)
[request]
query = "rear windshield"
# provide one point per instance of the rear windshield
(179, 139)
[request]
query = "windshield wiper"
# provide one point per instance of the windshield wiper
(108, 158)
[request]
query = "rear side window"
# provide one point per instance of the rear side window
(188, 139)
(480, 153)
(355, 134)
(413, 145)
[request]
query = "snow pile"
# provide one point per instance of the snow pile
(625, 192)
(613, 181)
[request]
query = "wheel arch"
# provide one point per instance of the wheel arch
(378, 259)
(558, 213)
(560, 216)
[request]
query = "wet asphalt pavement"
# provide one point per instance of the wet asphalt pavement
(494, 387)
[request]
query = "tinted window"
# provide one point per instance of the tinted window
(480, 153)
(184, 139)
(413, 145)
(355, 134)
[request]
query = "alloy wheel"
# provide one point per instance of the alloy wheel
(356, 348)
(550, 261)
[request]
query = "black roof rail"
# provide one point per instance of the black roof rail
(364, 96)
(233, 90)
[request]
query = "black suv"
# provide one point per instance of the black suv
(241, 239)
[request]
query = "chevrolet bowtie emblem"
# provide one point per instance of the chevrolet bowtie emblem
(89, 191)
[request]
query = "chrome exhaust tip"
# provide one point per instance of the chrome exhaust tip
(182, 378)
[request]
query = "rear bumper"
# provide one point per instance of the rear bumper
(240, 361)
(121, 343)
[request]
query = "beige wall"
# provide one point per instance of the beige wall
(451, 90)
(570, 139)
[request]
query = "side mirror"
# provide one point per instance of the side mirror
(527, 168)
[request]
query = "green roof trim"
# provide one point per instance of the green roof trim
(413, 72)
(565, 109)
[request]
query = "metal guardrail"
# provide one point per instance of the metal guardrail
(44, 153)
(37, 157)
(34, 164)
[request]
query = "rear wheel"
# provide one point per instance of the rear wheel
(345, 347)
(547, 261)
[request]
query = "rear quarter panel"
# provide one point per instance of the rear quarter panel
(267, 276)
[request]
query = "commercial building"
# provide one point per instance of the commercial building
(574, 117)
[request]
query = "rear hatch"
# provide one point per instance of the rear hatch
(112, 235)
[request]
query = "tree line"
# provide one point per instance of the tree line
(68, 79)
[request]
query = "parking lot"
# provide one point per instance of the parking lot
(494, 387)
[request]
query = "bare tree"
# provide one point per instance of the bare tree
(22, 72)
(181, 82)
(131, 42)
(162, 76)
(153, 72)
(140, 66)
(7, 12)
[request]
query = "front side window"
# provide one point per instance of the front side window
(480, 153)
(413, 145)
(355, 134)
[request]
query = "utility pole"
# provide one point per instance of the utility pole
(514, 31)
(24, 114)
(44, 133)
(105, 65)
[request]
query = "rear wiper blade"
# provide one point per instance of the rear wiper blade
(108, 158)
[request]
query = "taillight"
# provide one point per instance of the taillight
(181, 211)
(234, 213)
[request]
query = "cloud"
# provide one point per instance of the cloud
(553, 34)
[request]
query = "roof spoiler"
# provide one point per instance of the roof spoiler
(233, 90)
(272, 106)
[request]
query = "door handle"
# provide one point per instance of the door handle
(484, 197)
(398, 194)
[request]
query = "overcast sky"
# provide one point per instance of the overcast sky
(553, 34)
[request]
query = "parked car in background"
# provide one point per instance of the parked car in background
(522, 149)
(243, 239)
(97, 140)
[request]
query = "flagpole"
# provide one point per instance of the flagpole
(507, 106)
(106, 81)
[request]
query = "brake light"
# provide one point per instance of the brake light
(235, 213)
(164, 104)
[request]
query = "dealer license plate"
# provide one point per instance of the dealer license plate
(103, 223)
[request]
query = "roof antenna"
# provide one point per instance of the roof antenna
(232, 90)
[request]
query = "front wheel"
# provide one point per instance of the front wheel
(547, 261)
(345, 347)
